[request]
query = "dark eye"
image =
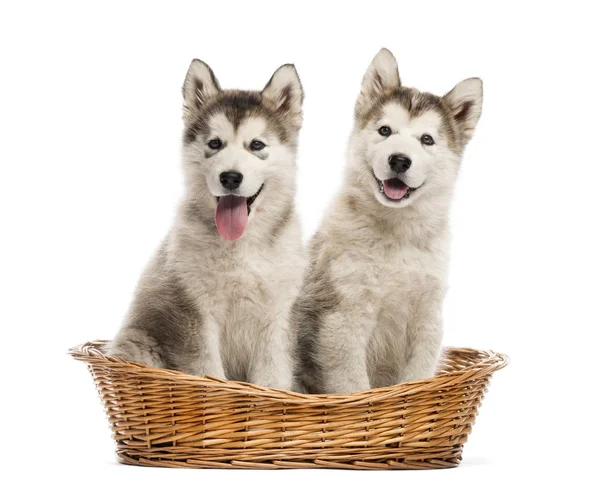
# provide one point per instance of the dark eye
(215, 143)
(385, 130)
(257, 145)
(427, 140)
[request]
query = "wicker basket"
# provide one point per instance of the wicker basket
(168, 418)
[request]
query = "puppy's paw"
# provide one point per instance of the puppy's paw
(136, 349)
(347, 387)
(281, 383)
(417, 374)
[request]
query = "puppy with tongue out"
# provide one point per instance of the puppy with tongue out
(216, 298)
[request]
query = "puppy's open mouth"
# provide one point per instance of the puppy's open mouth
(232, 214)
(395, 189)
(249, 200)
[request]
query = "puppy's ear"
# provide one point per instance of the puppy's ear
(381, 75)
(200, 84)
(284, 92)
(464, 102)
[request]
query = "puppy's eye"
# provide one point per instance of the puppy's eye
(257, 145)
(385, 130)
(427, 140)
(215, 143)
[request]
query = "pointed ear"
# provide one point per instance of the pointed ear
(284, 91)
(464, 101)
(381, 75)
(200, 84)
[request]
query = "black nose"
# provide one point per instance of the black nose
(400, 163)
(231, 180)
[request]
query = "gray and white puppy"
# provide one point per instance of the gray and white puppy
(370, 311)
(216, 297)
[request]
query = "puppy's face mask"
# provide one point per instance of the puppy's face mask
(411, 141)
(239, 146)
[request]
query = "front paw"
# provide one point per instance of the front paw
(417, 375)
(205, 367)
(347, 387)
(280, 383)
(135, 353)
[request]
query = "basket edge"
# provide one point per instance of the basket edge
(90, 354)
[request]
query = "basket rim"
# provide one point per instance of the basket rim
(487, 363)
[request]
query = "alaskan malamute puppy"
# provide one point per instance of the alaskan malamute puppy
(215, 299)
(370, 311)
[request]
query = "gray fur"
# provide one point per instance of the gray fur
(370, 310)
(206, 305)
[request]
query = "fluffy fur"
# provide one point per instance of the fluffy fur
(370, 310)
(210, 306)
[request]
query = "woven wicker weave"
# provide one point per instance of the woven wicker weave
(168, 418)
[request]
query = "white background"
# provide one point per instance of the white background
(90, 127)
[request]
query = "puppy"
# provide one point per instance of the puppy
(216, 298)
(370, 310)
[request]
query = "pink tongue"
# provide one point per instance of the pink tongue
(231, 217)
(394, 188)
